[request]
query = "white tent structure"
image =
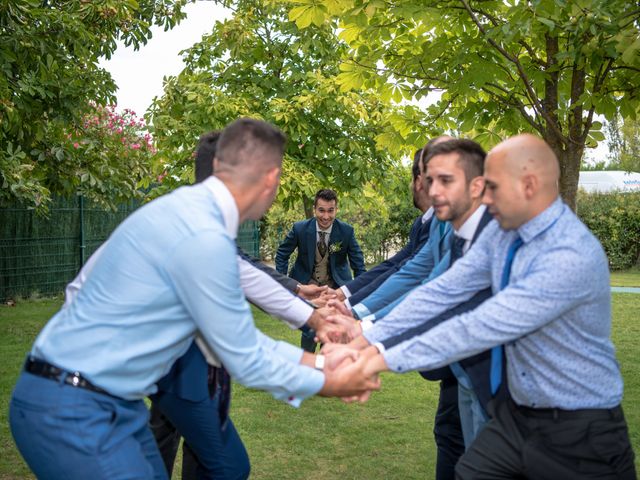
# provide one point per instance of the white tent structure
(609, 181)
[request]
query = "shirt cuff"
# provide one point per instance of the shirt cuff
(346, 291)
(288, 351)
(360, 310)
(314, 383)
(297, 313)
(380, 347)
(395, 359)
(374, 334)
(366, 323)
(347, 303)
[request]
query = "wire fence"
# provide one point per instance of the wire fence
(41, 255)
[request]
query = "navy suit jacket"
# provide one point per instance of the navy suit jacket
(303, 236)
(478, 367)
(188, 377)
(362, 286)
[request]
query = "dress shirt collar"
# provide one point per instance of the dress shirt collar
(328, 230)
(226, 203)
(542, 221)
(426, 216)
(469, 227)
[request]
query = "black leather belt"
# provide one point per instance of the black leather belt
(46, 370)
(560, 414)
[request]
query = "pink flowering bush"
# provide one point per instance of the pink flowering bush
(108, 156)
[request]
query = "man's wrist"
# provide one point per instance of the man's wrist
(313, 320)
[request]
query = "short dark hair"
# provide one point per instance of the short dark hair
(429, 145)
(205, 152)
(471, 155)
(415, 168)
(240, 140)
(325, 194)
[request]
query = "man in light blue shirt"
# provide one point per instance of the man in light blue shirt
(563, 419)
(167, 272)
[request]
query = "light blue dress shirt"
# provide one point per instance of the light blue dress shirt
(554, 317)
(412, 274)
(168, 270)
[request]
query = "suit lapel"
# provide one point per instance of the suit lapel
(335, 233)
(311, 243)
(486, 218)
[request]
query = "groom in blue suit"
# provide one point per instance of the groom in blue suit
(326, 246)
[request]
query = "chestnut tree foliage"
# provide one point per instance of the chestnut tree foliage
(259, 64)
(503, 66)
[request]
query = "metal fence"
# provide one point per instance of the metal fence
(41, 255)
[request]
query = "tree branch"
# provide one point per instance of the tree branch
(526, 46)
(598, 83)
(511, 101)
(537, 106)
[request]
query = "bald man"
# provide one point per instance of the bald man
(551, 310)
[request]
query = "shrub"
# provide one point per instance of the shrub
(615, 219)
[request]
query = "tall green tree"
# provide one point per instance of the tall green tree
(544, 66)
(259, 64)
(50, 81)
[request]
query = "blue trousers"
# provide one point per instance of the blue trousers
(220, 454)
(64, 432)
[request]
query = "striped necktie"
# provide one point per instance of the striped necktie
(322, 243)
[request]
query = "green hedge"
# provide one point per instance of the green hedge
(615, 219)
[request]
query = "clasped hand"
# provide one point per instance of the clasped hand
(347, 375)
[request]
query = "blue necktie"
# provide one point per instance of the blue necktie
(457, 246)
(496, 352)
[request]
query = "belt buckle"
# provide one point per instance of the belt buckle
(75, 379)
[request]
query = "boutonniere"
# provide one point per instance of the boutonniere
(335, 247)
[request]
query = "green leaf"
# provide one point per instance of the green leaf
(631, 54)
(549, 23)
(307, 14)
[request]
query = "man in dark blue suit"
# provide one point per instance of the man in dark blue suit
(326, 246)
(453, 173)
(360, 287)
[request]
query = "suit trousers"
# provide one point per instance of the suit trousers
(447, 430)
(473, 418)
(220, 453)
(168, 440)
(549, 444)
(64, 432)
(307, 339)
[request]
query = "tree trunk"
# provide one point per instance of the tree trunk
(570, 160)
(307, 204)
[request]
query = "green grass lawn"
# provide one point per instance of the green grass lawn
(626, 278)
(390, 437)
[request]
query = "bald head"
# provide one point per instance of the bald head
(522, 176)
(527, 154)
